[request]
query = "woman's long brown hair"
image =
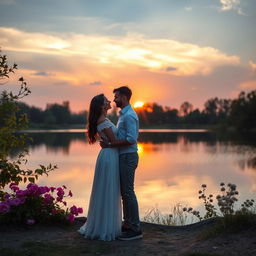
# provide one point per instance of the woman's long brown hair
(95, 111)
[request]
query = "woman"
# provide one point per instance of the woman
(104, 215)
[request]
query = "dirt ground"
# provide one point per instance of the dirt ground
(158, 240)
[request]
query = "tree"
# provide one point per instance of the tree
(60, 112)
(186, 108)
(12, 120)
(243, 111)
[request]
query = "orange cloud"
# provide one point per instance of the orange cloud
(157, 55)
(252, 65)
(248, 85)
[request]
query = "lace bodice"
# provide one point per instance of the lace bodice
(106, 124)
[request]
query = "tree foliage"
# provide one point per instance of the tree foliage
(12, 121)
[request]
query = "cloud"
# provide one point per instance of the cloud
(96, 83)
(252, 65)
(188, 8)
(228, 5)
(250, 85)
(170, 69)
(133, 51)
(42, 73)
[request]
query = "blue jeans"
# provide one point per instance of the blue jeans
(128, 163)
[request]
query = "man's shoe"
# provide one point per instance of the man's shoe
(130, 235)
(125, 228)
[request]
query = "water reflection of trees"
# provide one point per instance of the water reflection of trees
(56, 142)
(174, 137)
(213, 143)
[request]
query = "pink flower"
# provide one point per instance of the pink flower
(60, 192)
(21, 193)
(15, 201)
(43, 190)
(52, 189)
(73, 210)
(32, 189)
(14, 188)
(12, 184)
(48, 199)
(4, 207)
(80, 210)
(71, 218)
(7, 196)
(30, 222)
(59, 199)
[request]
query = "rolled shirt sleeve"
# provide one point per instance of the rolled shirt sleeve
(128, 129)
(132, 129)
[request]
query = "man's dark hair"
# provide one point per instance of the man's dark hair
(124, 90)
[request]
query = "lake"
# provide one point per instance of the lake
(172, 167)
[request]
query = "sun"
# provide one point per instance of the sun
(138, 104)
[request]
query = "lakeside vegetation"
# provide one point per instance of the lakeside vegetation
(35, 203)
(227, 216)
(237, 114)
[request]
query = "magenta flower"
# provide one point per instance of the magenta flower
(21, 193)
(59, 199)
(30, 222)
(4, 207)
(7, 196)
(73, 210)
(52, 189)
(60, 192)
(71, 218)
(80, 210)
(32, 189)
(12, 184)
(14, 188)
(70, 193)
(15, 201)
(48, 199)
(43, 190)
(64, 187)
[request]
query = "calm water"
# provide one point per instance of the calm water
(172, 166)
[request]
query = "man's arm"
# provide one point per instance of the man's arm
(131, 134)
(113, 142)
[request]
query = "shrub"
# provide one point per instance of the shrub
(37, 204)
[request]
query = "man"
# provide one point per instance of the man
(128, 130)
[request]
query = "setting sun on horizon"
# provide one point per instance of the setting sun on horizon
(138, 104)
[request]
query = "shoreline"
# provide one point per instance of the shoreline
(158, 240)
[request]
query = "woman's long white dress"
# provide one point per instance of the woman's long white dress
(104, 215)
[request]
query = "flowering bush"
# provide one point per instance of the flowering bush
(37, 204)
(225, 201)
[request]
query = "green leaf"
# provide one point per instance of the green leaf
(31, 179)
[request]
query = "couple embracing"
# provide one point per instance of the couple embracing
(114, 171)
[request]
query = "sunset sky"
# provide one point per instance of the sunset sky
(167, 51)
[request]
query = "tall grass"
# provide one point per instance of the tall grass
(230, 217)
(176, 217)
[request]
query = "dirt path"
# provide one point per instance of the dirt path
(158, 240)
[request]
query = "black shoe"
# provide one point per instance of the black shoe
(125, 228)
(130, 235)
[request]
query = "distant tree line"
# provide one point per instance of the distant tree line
(54, 115)
(239, 113)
